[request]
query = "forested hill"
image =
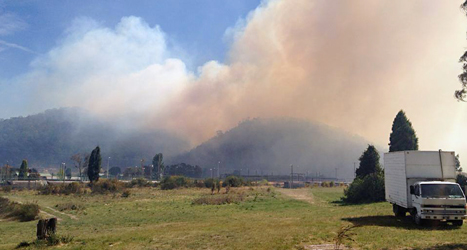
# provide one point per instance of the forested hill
(52, 137)
(260, 145)
(272, 145)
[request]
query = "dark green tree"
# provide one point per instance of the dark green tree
(23, 170)
(368, 186)
(458, 164)
(403, 135)
(461, 94)
(157, 162)
(94, 167)
(367, 189)
(369, 162)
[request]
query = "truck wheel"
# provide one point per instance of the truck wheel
(398, 210)
(417, 219)
(458, 223)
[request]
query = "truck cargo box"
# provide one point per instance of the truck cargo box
(403, 168)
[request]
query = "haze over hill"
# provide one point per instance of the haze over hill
(52, 137)
(260, 145)
(272, 145)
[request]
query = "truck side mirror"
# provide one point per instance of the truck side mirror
(412, 190)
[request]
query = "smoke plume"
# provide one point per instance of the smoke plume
(351, 65)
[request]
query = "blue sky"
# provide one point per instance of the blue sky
(195, 27)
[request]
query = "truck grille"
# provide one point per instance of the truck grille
(444, 206)
(446, 212)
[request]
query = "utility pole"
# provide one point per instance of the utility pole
(336, 174)
(211, 172)
(218, 168)
(291, 176)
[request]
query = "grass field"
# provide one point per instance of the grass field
(155, 219)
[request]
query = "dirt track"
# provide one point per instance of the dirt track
(302, 194)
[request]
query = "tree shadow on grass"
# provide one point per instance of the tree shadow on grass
(343, 203)
(404, 222)
(451, 246)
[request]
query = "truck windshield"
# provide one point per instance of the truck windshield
(441, 191)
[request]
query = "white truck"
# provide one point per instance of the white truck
(423, 184)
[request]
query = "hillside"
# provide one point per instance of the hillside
(52, 137)
(258, 145)
(272, 145)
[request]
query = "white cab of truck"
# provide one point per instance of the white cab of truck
(423, 184)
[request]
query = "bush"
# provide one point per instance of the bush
(66, 189)
(6, 189)
(21, 212)
(198, 183)
(126, 194)
(461, 180)
(368, 189)
(209, 182)
(172, 182)
(69, 206)
(233, 181)
(264, 182)
(140, 182)
(106, 186)
(25, 212)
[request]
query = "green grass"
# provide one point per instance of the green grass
(155, 219)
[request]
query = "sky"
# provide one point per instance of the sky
(195, 67)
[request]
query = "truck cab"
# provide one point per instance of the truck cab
(437, 200)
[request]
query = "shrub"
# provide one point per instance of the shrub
(25, 212)
(23, 244)
(66, 189)
(233, 181)
(263, 182)
(368, 189)
(461, 180)
(139, 182)
(21, 212)
(69, 206)
(198, 183)
(106, 186)
(6, 189)
(208, 182)
(126, 194)
(172, 182)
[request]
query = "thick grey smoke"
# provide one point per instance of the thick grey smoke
(349, 64)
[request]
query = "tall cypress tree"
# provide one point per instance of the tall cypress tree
(403, 135)
(94, 167)
(157, 162)
(23, 170)
(369, 162)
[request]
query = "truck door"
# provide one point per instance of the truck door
(416, 197)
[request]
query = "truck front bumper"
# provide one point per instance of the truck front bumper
(443, 216)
